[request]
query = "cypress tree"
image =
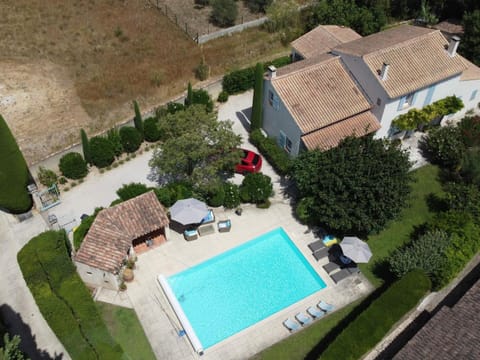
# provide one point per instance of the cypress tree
(137, 120)
(189, 98)
(257, 106)
(85, 147)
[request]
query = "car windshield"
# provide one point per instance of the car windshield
(256, 159)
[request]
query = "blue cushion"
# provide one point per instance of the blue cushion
(209, 217)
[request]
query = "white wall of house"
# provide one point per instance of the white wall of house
(96, 277)
(469, 92)
(278, 122)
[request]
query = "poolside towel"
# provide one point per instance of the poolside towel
(329, 240)
(331, 266)
(315, 312)
(320, 254)
(341, 275)
(316, 245)
(303, 318)
(322, 305)
(291, 325)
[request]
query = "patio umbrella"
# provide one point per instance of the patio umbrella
(188, 211)
(356, 249)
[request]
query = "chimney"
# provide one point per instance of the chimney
(272, 72)
(384, 71)
(453, 46)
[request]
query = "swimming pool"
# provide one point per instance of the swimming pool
(244, 285)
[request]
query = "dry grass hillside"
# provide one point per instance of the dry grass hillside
(77, 64)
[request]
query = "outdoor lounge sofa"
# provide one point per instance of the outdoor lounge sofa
(190, 235)
(320, 254)
(224, 225)
(331, 266)
(322, 305)
(314, 312)
(353, 270)
(291, 325)
(341, 275)
(303, 319)
(316, 245)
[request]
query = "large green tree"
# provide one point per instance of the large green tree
(354, 188)
(197, 147)
(14, 174)
(470, 44)
(257, 105)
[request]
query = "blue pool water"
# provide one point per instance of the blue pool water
(242, 286)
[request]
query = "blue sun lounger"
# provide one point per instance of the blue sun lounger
(303, 319)
(291, 325)
(322, 305)
(314, 312)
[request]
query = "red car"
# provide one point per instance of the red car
(251, 162)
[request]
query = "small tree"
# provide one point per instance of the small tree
(189, 98)
(131, 138)
(137, 120)
(113, 137)
(46, 177)
(101, 151)
(152, 133)
(85, 146)
(257, 106)
(73, 166)
(129, 191)
(256, 188)
(444, 146)
(232, 195)
(224, 12)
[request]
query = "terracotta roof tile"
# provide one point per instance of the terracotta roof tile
(111, 234)
(330, 136)
(471, 73)
(322, 39)
(321, 94)
(417, 57)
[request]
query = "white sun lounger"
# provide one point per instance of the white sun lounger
(303, 319)
(322, 305)
(291, 325)
(314, 312)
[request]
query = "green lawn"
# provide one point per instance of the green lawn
(397, 233)
(125, 328)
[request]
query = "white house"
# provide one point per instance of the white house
(393, 71)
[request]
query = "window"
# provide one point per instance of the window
(407, 101)
(288, 145)
(474, 95)
(284, 142)
(270, 97)
(379, 102)
(273, 100)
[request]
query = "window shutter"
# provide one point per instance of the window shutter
(428, 98)
(282, 138)
(400, 104)
(474, 95)
(276, 102)
(414, 98)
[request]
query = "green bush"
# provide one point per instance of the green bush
(82, 229)
(215, 195)
(62, 180)
(363, 333)
(137, 120)
(14, 174)
(131, 138)
(150, 127)
(63, 299)
(73, 166)
(224, 12)
(173, 107)
(170, 193)
(470, 129)
(101, 151)
(129, 191)
(85, 146)
(223, 96)
(256, 188)
(46, 177)
(232, 195)
(276, 156)
(470, 166)
(202, 71)
(202, 97)
(258, 5)
(114, 137)
(444, 146)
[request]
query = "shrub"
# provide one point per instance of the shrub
(62, 180)
(63, 299)
(215, 195)
(73, 166)
(256, 188)
(102, 151)
(173, 107)
(257, 105)
(238, 81)
(470, 129)
(364, 332)
(172, 192)
(202, 71)
(131, 138)
(224, 13)
(129, 191)
(470, 166)
(137, 120)
(464, 197)
(114, 137)
(189, 98)
(444, 146)
(46, 177)
(223, 96)
(258, 5)
(202, 2)
(14, 174)
(85, 146)
(232, 195)
(276, 156)
(202, 97)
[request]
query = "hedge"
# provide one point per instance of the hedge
(238, 81)
(363, 333)
(63, 299)
(276, 156)
(14, 175)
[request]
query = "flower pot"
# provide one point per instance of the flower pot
(128, 275)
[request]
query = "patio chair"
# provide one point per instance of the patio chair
(315, 313)
(303, 319)
(320, 254)
(322, 305)
(331, 266)
(341, 275)
(210, 218)
(190, 235)
(354, 270)
(316, 245)
(224, 225)
(291, 325)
